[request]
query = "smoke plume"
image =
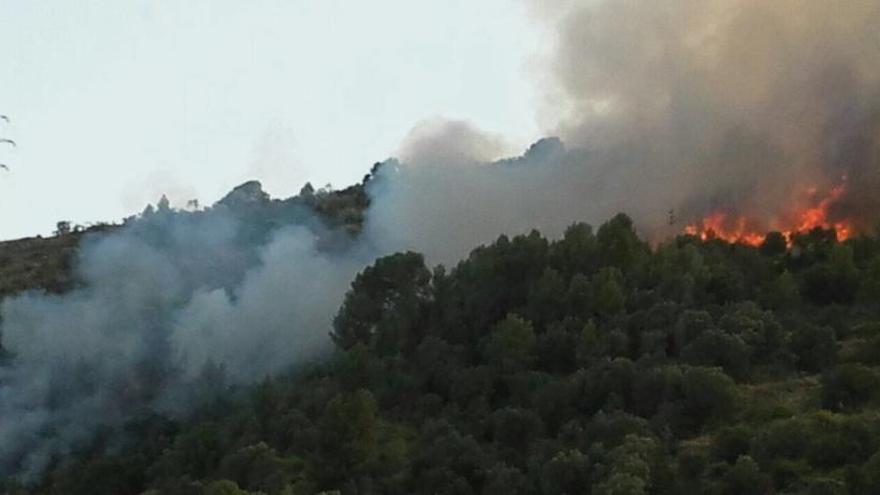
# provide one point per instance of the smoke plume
(693, 106)
(727, 104)
(168, 304)
(759, 110)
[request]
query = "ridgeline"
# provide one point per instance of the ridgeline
(588, 364)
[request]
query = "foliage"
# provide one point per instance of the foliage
(588, 364)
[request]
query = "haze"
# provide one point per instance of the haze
(115, 103)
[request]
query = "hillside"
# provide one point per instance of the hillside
(39, 263)
(45, 263)
(673, 290)
(589, 364)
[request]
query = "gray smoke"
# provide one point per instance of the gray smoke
(693, 106)
(170, 303)
(690, 105)
(729, 104)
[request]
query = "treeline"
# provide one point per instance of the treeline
(593, 364)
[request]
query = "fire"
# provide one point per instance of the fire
(817, 216)
(811, 214)
(720, 225)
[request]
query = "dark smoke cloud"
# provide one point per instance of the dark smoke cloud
(736, 104)
(692, 106)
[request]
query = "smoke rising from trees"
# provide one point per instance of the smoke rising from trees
(171, 304)
(689, 105)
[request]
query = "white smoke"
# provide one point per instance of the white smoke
(686, 105)
(162, 301)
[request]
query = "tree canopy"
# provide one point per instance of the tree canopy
(589, 364)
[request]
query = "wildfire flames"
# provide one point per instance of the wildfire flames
(813, 212)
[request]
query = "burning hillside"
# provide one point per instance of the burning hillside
(814, 208)
(742, 117)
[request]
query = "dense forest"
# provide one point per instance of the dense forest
(591, 364)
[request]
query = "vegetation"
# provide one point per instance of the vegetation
(590, 364)
(40, 263)
(45, 263)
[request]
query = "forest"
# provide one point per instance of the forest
(595, 363)
(696, 313)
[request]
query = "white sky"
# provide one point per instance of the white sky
(114, 102)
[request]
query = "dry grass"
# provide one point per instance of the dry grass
(39, 263)
(779, 399)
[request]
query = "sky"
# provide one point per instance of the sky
(114, 103)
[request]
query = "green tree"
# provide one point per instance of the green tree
(814, 347)
(510, 347)
(716, 348)
(774, 244)
(782, 293)
(608, 293)
(579, 298)
(629, 468)
(731, 442)
(447, 461)
(865, 479)
(619, 245)
(349, 435)
(834, 281)
(568, 472)
(223, 487)
(849, 386)
(547, 297)
(516, 428)
(577, 252)
(256, 467)
(746, 477)
(708, 394)
(502, 479)
(384, 304)
(556, 348)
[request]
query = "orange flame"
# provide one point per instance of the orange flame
(719, 225)
(817, 216)
(740, 229)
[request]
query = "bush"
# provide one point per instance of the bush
(745, 477)
(709, 395)
(731, 442)
(848, 387)
(814, 347)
